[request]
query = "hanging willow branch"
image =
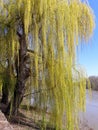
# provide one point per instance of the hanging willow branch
(53, 29)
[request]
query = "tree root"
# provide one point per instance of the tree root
(23, 121)
(27, 122)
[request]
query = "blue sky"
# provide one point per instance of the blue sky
(88, 54)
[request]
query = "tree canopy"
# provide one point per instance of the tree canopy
(52, 29)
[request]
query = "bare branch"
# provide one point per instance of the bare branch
(31, 51)
(39, 91)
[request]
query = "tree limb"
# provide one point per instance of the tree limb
(39, 91)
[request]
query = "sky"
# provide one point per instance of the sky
(88, 53)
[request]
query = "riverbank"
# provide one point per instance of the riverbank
(89, 119)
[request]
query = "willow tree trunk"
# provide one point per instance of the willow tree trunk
(22, 74)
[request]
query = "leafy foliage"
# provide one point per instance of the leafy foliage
(53, 29)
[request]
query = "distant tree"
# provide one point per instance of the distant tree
(39, 38)
(94, 82)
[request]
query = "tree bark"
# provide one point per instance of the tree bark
(22, 74)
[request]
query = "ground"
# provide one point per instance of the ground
(4, 124)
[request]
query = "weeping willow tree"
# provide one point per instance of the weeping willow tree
(39, 38)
